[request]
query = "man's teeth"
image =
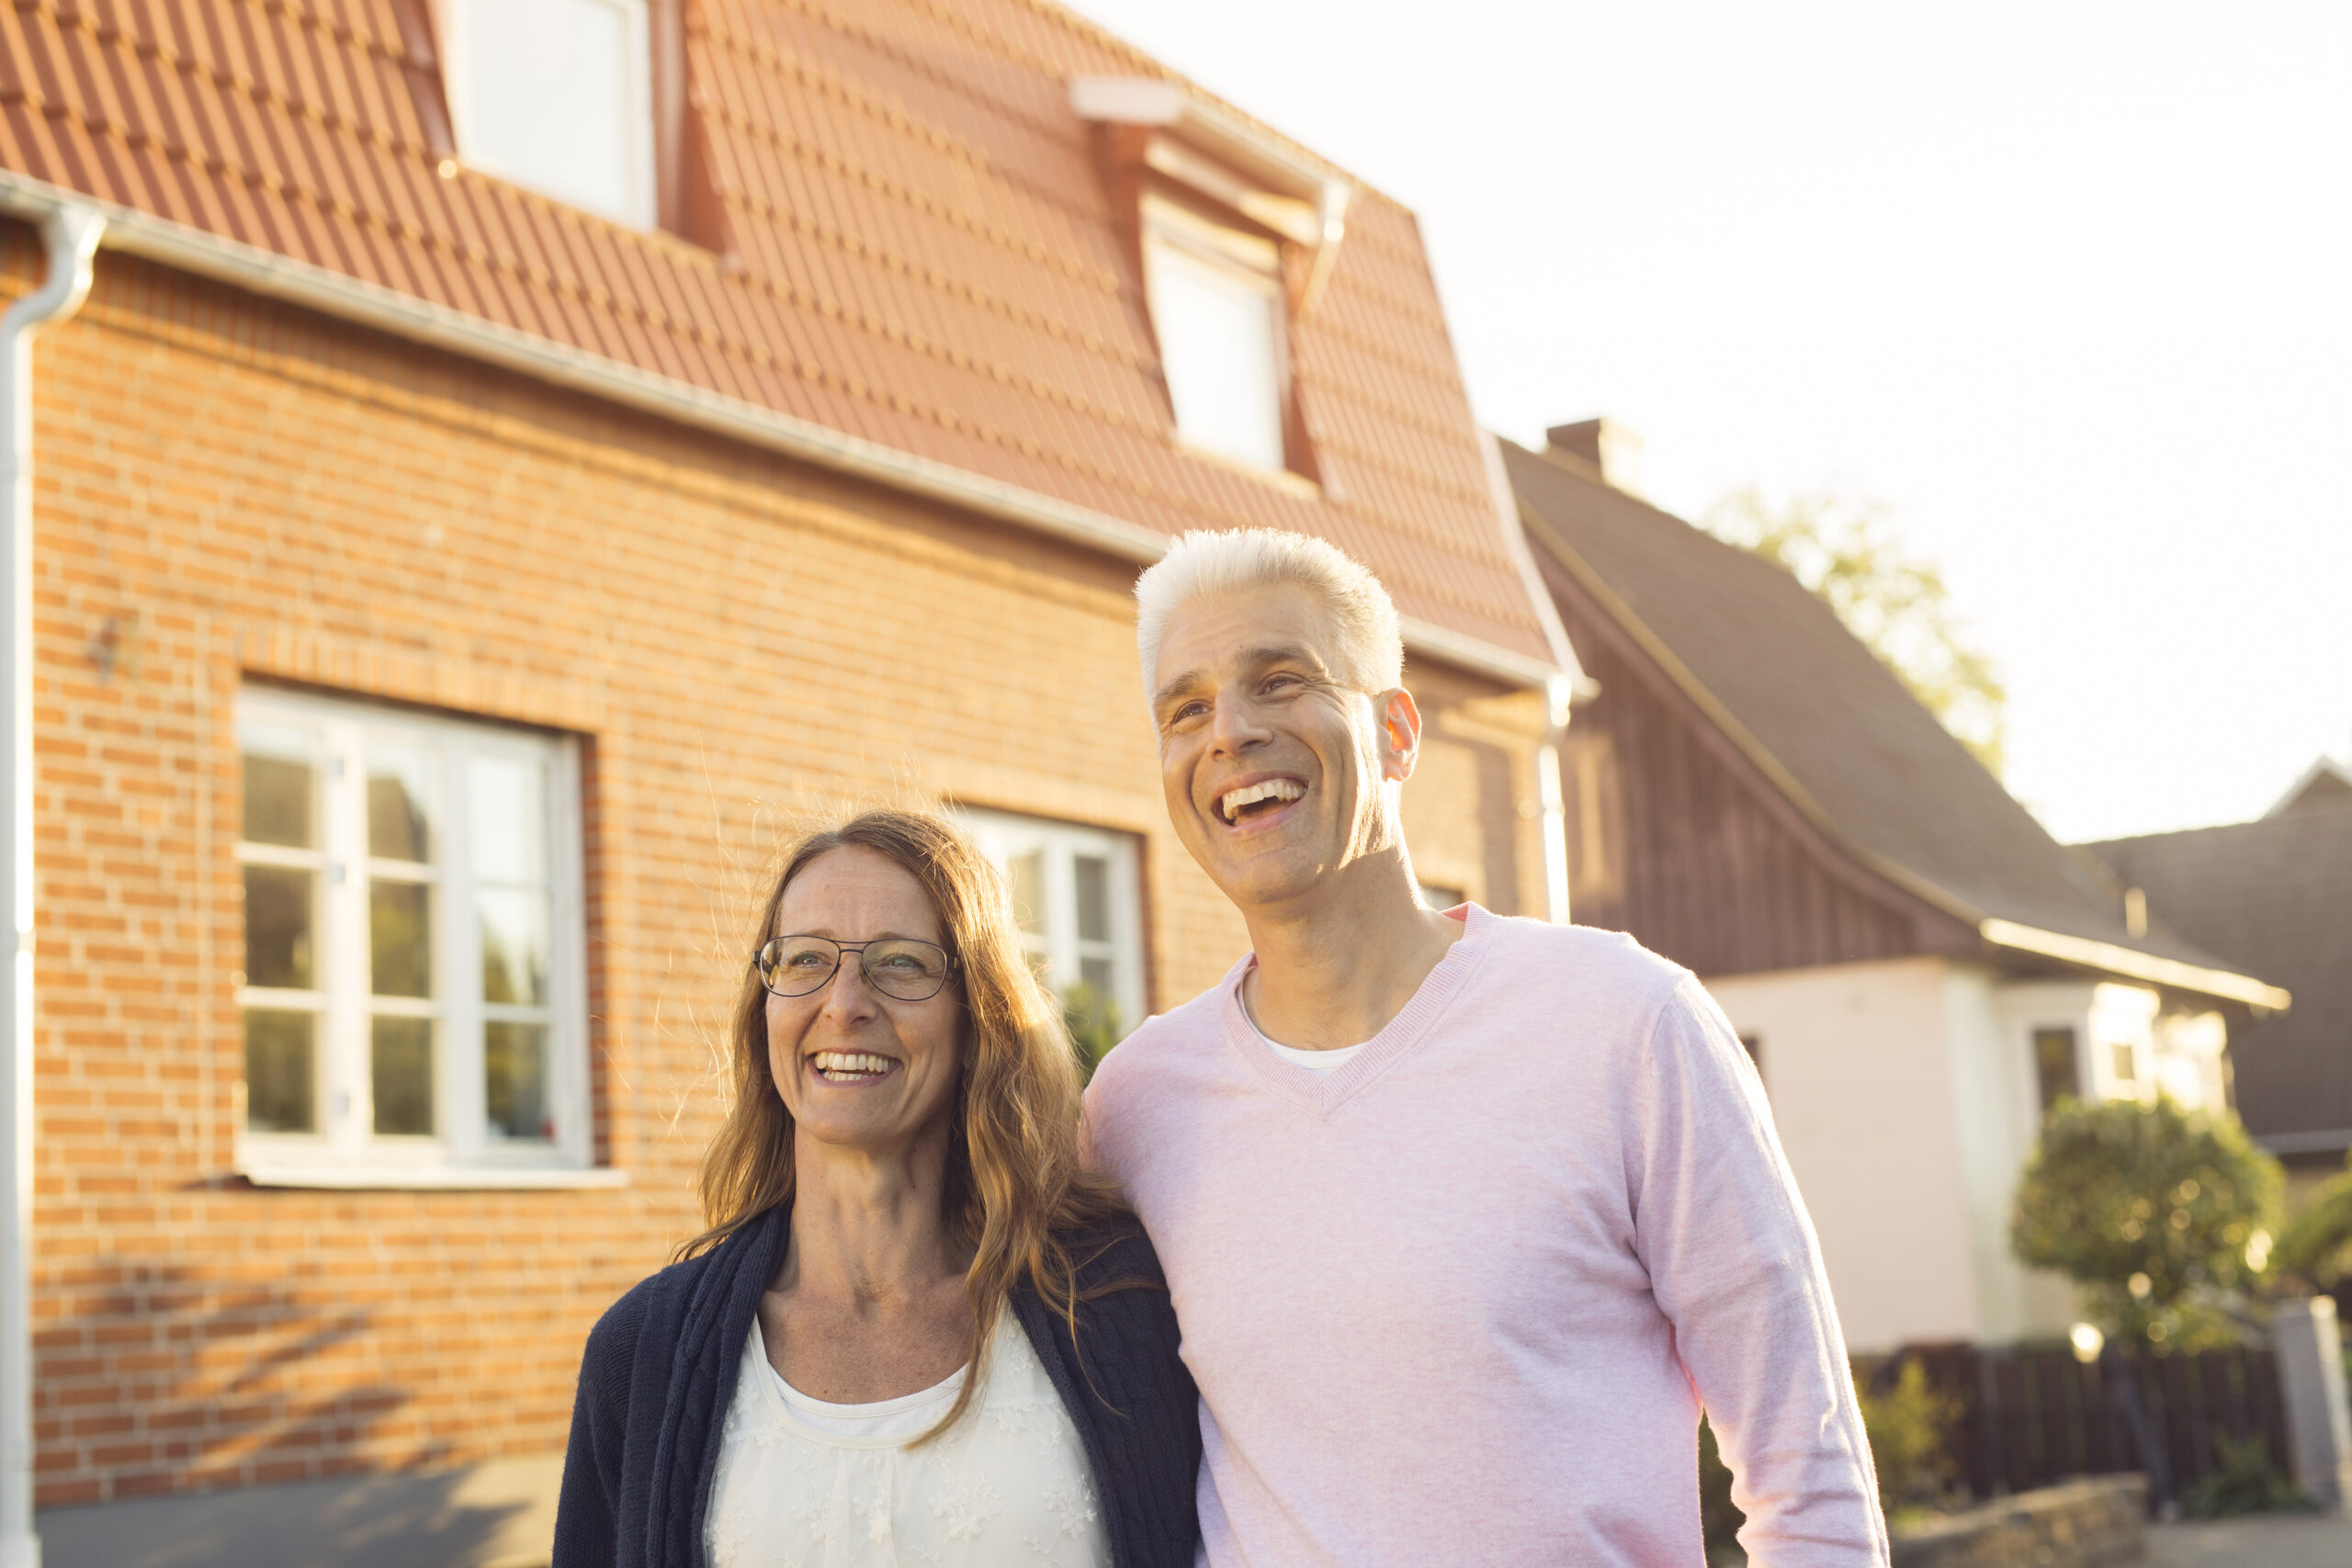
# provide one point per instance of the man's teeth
(849, 1062)
(1232, 801)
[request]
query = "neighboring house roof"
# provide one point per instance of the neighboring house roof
(2326, 786)
(912, 245)
(1838, 734)
(2274, 896)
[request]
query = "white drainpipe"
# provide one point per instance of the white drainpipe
(1559, 691)
(70, 236)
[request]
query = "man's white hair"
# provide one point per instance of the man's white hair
(1371, 651)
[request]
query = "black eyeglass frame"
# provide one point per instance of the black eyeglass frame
(947, 972)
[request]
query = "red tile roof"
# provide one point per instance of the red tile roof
(918, 249)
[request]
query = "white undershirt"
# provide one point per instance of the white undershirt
(802, 1481)
(1329, 1061)
(882, 1420)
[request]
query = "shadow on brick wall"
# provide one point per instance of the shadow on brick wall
(188, 1419)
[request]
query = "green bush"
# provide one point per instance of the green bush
(2315, 1249)
(2246, 1481)
(1907, 1425)
(2162, 1215)
(1093, 1022)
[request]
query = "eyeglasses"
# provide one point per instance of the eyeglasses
(899, 966)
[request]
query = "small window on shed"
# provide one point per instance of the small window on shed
(556, 94)
(1754, 1045)
(1217, 306)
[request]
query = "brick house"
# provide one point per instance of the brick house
(462, 540)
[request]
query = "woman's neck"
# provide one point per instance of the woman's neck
(868, 1231)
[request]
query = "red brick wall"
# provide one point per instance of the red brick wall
(254, 493)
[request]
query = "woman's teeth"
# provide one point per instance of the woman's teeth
(1233, 800)
(849, 1066)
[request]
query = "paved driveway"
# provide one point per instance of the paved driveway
(2276, 1541)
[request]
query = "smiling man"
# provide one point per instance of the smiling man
(1465, 1216)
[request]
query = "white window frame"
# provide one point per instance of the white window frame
(640, 206)
(1003, 836)
(345, 1150)
(1171, 231)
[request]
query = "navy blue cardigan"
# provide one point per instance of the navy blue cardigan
(662, 1365)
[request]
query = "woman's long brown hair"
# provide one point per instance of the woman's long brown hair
(1016, 1188)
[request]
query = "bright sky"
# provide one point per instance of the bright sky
(2068, 285)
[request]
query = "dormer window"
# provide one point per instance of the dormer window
(1235, 234)
(1217, 305)
(558, 96)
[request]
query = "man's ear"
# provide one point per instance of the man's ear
(1399, 740)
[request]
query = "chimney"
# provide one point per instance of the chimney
(1613, 451)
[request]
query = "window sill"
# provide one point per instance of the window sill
(1284, 479)
(435, 1179)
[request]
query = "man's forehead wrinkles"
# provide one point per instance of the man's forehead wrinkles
(1278, 653)
(1244, 659)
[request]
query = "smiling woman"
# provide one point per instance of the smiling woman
(902, 1235)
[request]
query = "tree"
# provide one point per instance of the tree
(2315, 1249)
(2162, 1215)
(1843, 549)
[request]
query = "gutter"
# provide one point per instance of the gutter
(2138, 965)
(70, 235)
(370, 305)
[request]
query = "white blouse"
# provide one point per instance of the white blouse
(802, 1483)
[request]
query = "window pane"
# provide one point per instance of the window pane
(2053, 1066)
(401, 1071)
(553, 100)
(513, 947)
(1099, 975)
(399, 826)
(399, 938)
(1028, 877)
(1216, 346)
(515, 1081)
(1093, 898)
(2126, 1069)
(278, 908)
(507, 802)
(281, 1095)
(280, 786)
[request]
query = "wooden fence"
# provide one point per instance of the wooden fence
(2031, 1416)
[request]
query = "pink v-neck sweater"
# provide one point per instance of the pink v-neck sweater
(1461, 1300)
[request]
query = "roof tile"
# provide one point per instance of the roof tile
(925, 253)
